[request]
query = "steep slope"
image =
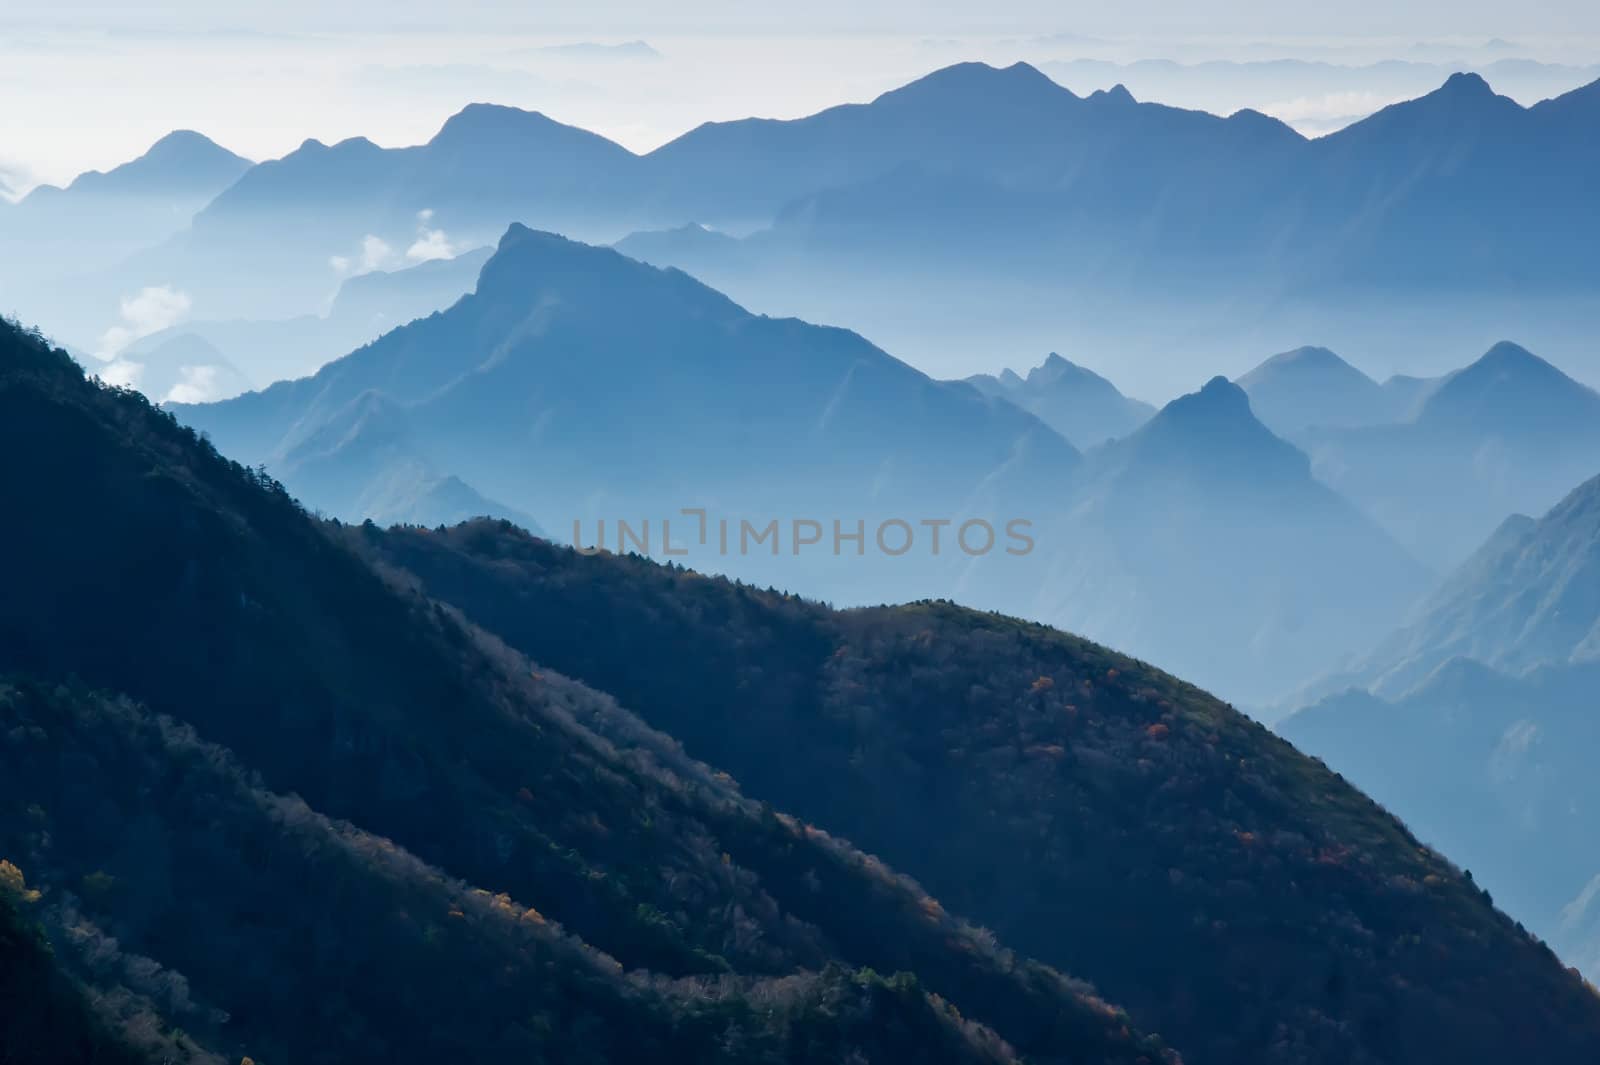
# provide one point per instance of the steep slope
(157, 569)
(1231, 891)
(378, 960)
(1530, 596)
(44, 1015)
(1309, 386)
(1508, 434)
(1077, 403)
(1204, 513)
(1496, 770)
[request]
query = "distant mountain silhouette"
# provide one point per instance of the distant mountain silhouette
(182, 165)
(362, 464)
(541, 393)
(994, 191)
(541, 396)
(1508, 434)
(1512, 393)
(1530, 596)
(1312, 386)
(687, 247)
(99, 219)
(487, 165)
(1077, 403)
(1204, 514)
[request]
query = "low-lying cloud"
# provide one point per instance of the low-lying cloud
(154, 308)
(196, 384)
(428, 243)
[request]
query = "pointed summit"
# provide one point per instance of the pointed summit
(1077, 403)
(1312, 386)
(1513, 392)
(1117, 94)
(1213, 435)
(1464, 106)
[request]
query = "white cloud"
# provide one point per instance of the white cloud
(122, 373)
(196, 384)
(379, 254)
(156, 307)
(375, 253)
(431, 244)
(1317, 115)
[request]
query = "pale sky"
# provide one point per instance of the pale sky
(88, 85)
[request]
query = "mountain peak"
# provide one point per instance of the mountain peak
(1510, 389)
(1117, 94)
(483, 119)
(527, 261)
(1506, 353)
(1216, 429)
(1222, 394)
(1465, 84)
(178, 160)
(186, 145)
(1219, 405)
(497, 129)
(1304, 360)
(1295, 390)
(965, 81)
(1056, 370)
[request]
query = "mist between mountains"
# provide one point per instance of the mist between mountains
(694, 528)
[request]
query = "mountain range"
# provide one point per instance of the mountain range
(540, 395)
(1510, 433)
(1530, 596)
(1078, 403)
(975, 205)
(562, 386)
(259, 785)
(100, 219)
(271, 786)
